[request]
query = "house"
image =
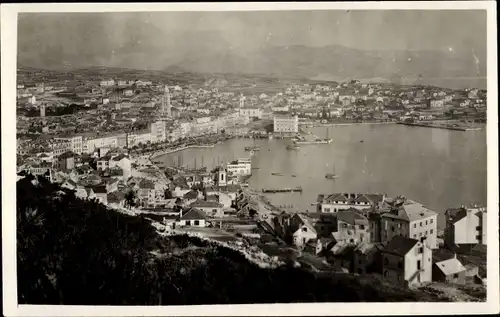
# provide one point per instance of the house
(340, 257)
(353, 226)
(193, 217)
(324, 223)
(146, 192)
(101, 194)
(210, 208)
(406, 261)
(301, 229)
(367, 258)
(65, 161)
(89, 193)
(341, 201)
(324, 245)
(409, 219)
(191, 196)
(69, 184)
(122, 161)
(112, 185)
(465, 226)
(449, 271)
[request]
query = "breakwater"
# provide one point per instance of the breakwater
(441, 126)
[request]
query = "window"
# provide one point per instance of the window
(426, 232)
(399, 225)
(188, 222)
(420, 223)
(386, 273)
(455, 275)
(196, 222)
(415, 236)
(426, 222)
(362, 227)
(359, 261)
(360, 271)
(432, 231)
(414, 225)
(400, 264)
(392, 228)
(420, 250)
(432, 220)
(304, 229)
(327, 209)
(399, 278)
(419, 265)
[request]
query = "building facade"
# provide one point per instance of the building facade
(286, 124)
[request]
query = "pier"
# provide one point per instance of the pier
(282, 190)
(440, 126)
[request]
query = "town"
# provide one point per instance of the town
(102, 135)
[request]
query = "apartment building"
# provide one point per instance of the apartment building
(409, 219)
(286, 124)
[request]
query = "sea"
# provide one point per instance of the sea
(436, 167)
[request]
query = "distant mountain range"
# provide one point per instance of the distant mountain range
(92, 41)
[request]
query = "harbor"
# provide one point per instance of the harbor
(358, 166)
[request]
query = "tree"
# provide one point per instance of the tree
(130, 198)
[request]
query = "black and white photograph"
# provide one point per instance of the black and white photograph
(185, 155)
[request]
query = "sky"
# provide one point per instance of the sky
(371, 30)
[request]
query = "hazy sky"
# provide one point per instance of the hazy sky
(359, 29)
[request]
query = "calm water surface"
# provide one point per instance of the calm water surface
(438, 168)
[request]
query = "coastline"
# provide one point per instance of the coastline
(165, 152)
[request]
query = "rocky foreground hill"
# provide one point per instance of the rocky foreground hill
(77, 252)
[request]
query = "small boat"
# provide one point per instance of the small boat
(361, 141)
(292, 147)
(277, 174)
(255, 168)
(331, 175)
(294, 175)
(252, 148)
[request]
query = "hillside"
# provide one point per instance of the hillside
(77, 252)
(48, 44)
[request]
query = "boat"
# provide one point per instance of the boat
(361, 141)
(331, 175)
(252, 148)
(292, 147)
(277, 174)
(294, 175)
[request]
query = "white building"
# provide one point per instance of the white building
(107, 83)
(240, 167)
(251, 112)
(76, 143)
(158, 131)
(437, 103)
(286, 124)
(465, 226)
(336, 202)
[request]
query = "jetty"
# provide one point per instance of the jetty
(282, 190)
